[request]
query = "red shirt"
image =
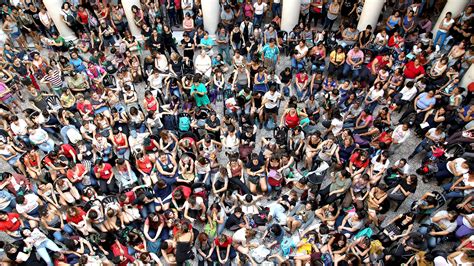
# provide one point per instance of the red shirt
(104, 173)
(78, 217)
(185, 190)
(380, 63)
(145, 165)
(83, 17)
(66, 150)
(85, 107)
(227, 243)
(11, 224)
(70, 172)
(130, 198)
(301, 78)
(411, 71)
(355, 160)
(292, 121)
(151, 104)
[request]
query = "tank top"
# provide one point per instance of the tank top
(168, 166)
(393, 22)
(145, 165)
(292, 121)
(236, 171)
(154, 107)
(236, 37)
(119, 142)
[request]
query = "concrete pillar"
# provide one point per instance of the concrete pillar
(453, 6)
(370, 14)
(211, 12)
(127, 7)
(468, 77)
(290, 14)
(53, 8)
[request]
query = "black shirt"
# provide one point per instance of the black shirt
(232, 221)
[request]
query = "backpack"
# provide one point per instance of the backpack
(169, 122)
(281, 136)
(184, 122)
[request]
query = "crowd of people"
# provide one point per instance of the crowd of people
(246, 146)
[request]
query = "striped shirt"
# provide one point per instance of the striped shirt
(55, 79)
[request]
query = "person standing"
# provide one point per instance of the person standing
(442, 32)
(260, 7)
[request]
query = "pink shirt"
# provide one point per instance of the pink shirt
(356, 57)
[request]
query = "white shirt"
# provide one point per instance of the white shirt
(399, 135)
(239, 236)
(375, 94)
(379, 38)
(203, 64)
(405, 169)
(272, 99)
(379, 166)
(465, 221)
(446, 24)
(337, 126)
(21, 129)
(259, 9)
(197, 206)
(31, 202)
(408, 94)
(156, 82)
(445, 224)
(301, 50)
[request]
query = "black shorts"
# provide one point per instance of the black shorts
(273, 110)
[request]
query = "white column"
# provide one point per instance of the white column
(127, 7)
(290, 14)
(211, 12)
(370, 14)
(53, 8)
(453, 6)
(468, 77)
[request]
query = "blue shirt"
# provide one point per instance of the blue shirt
(208, 42)
(270, 53)
(424, 102)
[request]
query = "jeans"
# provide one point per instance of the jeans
(257, 19)
(276, 9)
(58, 235)
(297, 65)
(47, 146)
(123, 153)
(441, 35)
(420, 147)
(328, 23)
(442, 173)
(432, 241)
(301, 94)
(224, 49)
(452, 194)
(348, 69)
(10, 206)
(147, 209)
(42, 250)
(63, 132)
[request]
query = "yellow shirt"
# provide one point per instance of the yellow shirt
(337, 57)
(305, 248)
